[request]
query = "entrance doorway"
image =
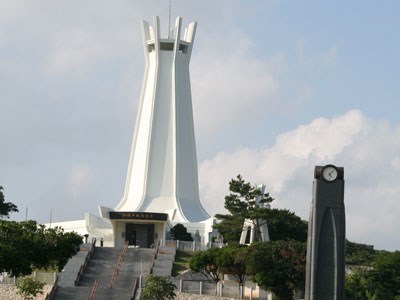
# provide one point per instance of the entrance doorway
(141, 235)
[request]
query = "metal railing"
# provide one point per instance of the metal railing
(154, 261)
(121, 259)
(135, 288)
(94, 289)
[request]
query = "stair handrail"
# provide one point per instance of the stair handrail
(135, 288)
(83, 267)
(154, 260)
(94, 289)
(119, 264)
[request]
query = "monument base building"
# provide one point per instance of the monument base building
(141, 229)
(162, 181)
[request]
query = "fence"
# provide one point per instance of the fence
(228, 289)
(47, 277)
(192, 246)
(220, 289)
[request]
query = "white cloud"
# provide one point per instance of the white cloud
(367, 149)
(322, 138)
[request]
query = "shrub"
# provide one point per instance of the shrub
(158, 288)
(28, 287)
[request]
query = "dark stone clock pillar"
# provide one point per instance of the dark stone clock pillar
(325, 268)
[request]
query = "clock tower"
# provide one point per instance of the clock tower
(325, 268)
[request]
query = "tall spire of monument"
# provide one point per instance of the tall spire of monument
(162, 173)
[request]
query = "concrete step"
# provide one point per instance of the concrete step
(72, 293)
(101, 267)
(82, 293)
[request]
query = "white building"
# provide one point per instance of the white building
(162, 181)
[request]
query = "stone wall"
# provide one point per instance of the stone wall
(9, 292)
(185, 296)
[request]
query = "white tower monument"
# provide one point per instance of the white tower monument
(162, 184)
(162, 172)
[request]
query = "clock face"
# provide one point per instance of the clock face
(329, 173)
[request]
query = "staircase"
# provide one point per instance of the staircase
(101, 267)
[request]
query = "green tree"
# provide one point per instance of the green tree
(16, 247)
(360, 254)
(385, 276)
(241, 204)
(356, 285)
(230, 227)
(278, 266)
(29, 287)
(286, 225)
(6, 207)
(381, 281)
(59, 246)
(207, 262)
(245, 201)
(215, 262)
(25, 246)
(158, 288)
(232, 260)
(179, 232)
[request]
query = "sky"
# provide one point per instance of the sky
(278, 87)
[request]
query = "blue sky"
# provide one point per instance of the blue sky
(277, 86)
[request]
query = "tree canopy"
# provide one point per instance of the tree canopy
(25, 246)
(179, 232)
(246, 199)
(278, 266)
(286, 225)
(246, 202)
(381, 281)
(6, 207)
(360, 254)
(232, 260)
(207, 262)
(216, 262)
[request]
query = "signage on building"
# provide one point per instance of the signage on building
(134, 215)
